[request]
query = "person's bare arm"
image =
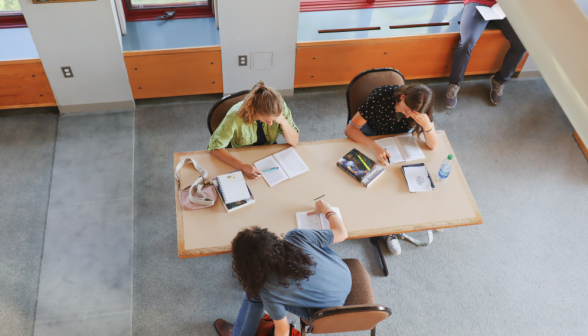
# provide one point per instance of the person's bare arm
(428, 126)
(282, 327)
(356, 135)
(290, 133)
(248, 170)
(337, 225)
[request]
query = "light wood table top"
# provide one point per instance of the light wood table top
(386, 207)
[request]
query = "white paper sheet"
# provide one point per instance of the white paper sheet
(291, 162)
(275, 176)
(409, 147)
(390, 145)
(234, 189)
(314, 222)
(417, 179)
(491, 13)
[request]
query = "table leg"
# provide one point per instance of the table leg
(377, 242)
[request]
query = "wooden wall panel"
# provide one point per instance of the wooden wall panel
(427, 56)
(175, 72)
(24, 84)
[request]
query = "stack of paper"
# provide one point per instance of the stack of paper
(314, 222)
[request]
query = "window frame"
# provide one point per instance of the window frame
(182, 12)
(12, 20)
(326, 5)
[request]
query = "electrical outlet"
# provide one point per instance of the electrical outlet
(242, 60)
(67, 73)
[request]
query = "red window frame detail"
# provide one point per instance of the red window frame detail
(314, 6)
(149, 14)
(12, 20)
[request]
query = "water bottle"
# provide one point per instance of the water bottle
(445, 169)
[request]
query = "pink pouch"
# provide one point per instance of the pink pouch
(188, 205)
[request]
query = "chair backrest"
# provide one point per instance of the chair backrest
(360, 311)
(220, 108)
(349, 318)
(363, 84)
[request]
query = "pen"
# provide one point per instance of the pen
(366, 166)
(269, 170)
(316, 199)
(388, 158)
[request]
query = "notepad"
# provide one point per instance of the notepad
(314, 222)
(418, 178)
(289, 165)
(233, 187)
(491, 13)
(402, 148)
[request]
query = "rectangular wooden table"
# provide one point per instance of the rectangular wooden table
(386, 207)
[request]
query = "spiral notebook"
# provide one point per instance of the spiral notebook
(233, 187)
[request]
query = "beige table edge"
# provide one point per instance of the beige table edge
(183, 253)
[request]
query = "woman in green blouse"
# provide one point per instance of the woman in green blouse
(257, 120)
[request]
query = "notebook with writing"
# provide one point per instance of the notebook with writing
(418, 178)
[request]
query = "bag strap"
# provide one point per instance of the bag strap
(202, 199)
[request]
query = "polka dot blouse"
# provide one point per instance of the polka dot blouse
(380, 112)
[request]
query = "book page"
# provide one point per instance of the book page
(498, 10)
(417, 178)
(409, 147)
(489, 13)
(275, 176)
(291, 162)
(390, 145)
(233, 187)
(314, 222)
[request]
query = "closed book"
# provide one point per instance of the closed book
(360, 167)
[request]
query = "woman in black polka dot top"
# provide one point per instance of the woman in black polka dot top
(394, 109)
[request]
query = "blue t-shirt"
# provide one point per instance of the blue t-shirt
(327, 287)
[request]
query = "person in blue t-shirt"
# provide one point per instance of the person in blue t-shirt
(298, 273)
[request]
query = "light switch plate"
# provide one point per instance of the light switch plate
(262, 60)
(67, 73)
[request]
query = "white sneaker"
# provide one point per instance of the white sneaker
(393, 244)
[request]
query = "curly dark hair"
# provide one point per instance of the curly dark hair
(258, 253)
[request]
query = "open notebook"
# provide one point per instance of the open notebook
(289, 165)
(402, 148)
(314, 222)
(418, 178)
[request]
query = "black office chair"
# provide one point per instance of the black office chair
(220, 108)
(357, 93)
(363, 84)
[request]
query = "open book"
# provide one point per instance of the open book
(418, 178)
(289, 165)
(402, 148)
(314, 222)
(491, 13)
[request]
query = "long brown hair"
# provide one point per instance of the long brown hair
(419, 98)
(262, 100)
(258, 253)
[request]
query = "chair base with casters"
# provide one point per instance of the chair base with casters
(360, 311)
(377, 241)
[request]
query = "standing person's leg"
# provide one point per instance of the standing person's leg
(511, 60)
(247, 321)
(471, 27)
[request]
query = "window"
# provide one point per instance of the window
(146, 10)
(322, 5)
(11, 15)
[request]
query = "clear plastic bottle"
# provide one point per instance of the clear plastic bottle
(445, 169)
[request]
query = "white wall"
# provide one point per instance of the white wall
(555, 33)
(85, 36)
(258, 26)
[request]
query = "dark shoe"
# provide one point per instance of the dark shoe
(496, 90)
(451, 95)
(223, 328)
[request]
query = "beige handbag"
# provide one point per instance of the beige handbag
(201, 193)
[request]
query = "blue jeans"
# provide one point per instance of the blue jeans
(252, 311)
